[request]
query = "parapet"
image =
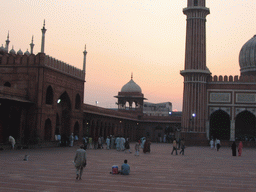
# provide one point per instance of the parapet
(236, 78)
(40, 60)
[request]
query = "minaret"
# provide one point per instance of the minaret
(43, 37)
(195, 73)
(32, 45)
(7, 43)
(84, 64)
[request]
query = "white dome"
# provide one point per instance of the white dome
(131, 86)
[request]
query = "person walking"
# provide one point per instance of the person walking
(218, 144)
(80, 161)
(174, 144)
(71, 140)
(212, 144)
(182, 143)
(240, 147)
(90, 142)
(127, 145)
(137, 148)
(233, 147)
(12, 141)
(108, 142)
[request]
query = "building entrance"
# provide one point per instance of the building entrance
(220, 125)
(245, 126)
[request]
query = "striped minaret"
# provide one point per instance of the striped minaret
(195, 73)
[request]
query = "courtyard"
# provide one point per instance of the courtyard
(200, 169)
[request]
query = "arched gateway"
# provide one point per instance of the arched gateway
(220, 125)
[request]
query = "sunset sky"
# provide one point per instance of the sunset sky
(146, 37)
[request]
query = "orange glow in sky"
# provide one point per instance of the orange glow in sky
(146, 37)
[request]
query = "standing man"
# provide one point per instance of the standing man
(174, 144)
(12, 141)
(80, 161)
(182, 146)
(71, 140)
(108, 142)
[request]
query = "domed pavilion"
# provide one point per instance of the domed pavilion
(130, 97)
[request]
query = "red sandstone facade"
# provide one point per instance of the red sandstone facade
(216, 107)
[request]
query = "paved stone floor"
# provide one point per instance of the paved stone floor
(200, 169)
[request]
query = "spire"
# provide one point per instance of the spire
(43, 37)
(32, 45)
(84, 64)
(132, 75)
(7, 42)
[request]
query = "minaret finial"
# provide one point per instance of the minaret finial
(43, 37)
(7, 43)
(132, 75)
(32, 45)
(84, 64)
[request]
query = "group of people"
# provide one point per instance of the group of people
(216, 144)
(175, 146)
(240, 147)
(233, 146)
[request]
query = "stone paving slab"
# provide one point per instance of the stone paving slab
(200, 169)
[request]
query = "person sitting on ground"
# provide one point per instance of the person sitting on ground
(125, 168)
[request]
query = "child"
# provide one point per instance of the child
(137, 148)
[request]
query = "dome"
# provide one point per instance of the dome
(12, 51)
(131, 86)
(20, 52)
(27, 53)
(2, 48)
(247, 57)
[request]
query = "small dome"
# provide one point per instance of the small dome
(27, 53)
(131, 86)
(20, 52)
(2, 48)
(12, 51)
(247, 57)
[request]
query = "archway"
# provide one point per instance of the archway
(78, 102)
(64, 108)
(49, 96)
(57, 129)
(76, 129)
(245, 126)
(48, 130)
(220, 125)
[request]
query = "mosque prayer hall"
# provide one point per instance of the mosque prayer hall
(42, 97)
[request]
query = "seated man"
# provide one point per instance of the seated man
(125, 168)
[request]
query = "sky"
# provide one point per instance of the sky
(145, 37)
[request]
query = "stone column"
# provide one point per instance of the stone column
(232, 130)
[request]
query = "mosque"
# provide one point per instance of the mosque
(216, 106)
(41, 97)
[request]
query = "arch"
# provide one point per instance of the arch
(245, 126)
(7, 84)
(47, 130)
(78, 102)
(49, 95)
(64, 109)
(76, 129)
(57, 128)
(220, 125)
(195, 2)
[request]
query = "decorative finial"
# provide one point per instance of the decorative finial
(85, 47)
(8, 35)
(32, 39)
(132, 76)
(44, 23)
